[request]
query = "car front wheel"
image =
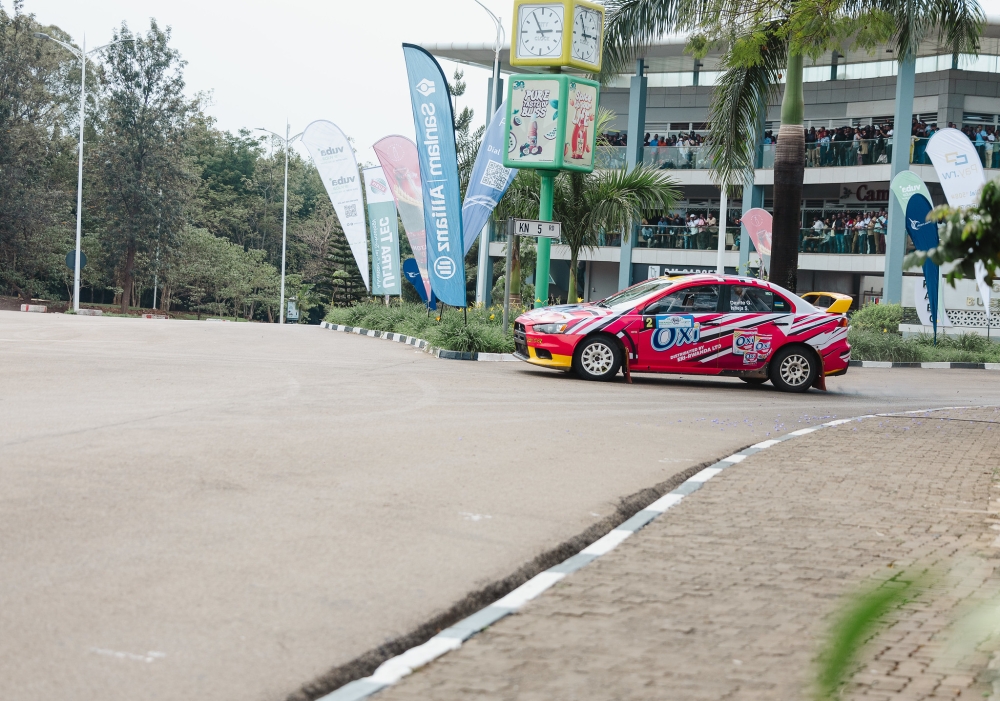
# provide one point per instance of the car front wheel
(597, 358)
(793, 369)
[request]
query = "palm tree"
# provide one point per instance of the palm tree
(588, 204)
(763, 42)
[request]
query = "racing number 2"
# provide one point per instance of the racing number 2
(649, 322)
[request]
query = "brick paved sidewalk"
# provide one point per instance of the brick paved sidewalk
(729, 594)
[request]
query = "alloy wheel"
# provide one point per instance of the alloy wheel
(597, 359)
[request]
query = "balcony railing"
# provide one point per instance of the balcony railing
(705, 238)
(818, 155)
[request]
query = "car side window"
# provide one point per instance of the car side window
(750, 298)
(691, 300)
(780, 304)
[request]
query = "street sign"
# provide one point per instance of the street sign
(538, 229)
(71, 260)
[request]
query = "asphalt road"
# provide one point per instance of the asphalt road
(225, 511)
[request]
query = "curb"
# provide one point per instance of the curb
(423, 345)
(928, 366)
(395, 668)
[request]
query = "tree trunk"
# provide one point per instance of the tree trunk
(571, 290)
(789, 170)
(128, 277)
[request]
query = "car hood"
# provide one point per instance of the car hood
(563, 313)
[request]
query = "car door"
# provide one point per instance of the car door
(669, 337)
(754, 326)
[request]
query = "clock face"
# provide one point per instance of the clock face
(540, 31)
(586, 35)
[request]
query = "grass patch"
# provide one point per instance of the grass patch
(482, 333)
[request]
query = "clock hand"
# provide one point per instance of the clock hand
(541, 31)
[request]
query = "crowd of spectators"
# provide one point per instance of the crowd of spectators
(696, 230)
(846, 232)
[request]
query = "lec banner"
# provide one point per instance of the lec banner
(334, 159)
(489, 179)
(435, 128)
(384, 234)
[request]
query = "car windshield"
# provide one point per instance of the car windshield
(635, 294)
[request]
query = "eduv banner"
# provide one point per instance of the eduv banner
(958, 167)
(398, 157)
(384, 234)
(489, 180)
(435, 128)
(334, 159)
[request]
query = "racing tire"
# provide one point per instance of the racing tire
(754, 380)
(597, 358)
(794, 369)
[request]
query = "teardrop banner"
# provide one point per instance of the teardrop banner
(490, 179)
(435, 128)
(384, 234)
(924, 235)
(398, 157)
(958, 167)
(758, 223)
(334, 159)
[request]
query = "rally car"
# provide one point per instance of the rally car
(696, 324)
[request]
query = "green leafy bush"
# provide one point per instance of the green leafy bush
(447, 329)
(878, 317)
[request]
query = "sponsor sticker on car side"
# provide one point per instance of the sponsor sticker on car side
(754, 347)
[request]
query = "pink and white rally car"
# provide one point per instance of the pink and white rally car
(696, 324)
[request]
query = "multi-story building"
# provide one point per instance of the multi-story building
(844, 178)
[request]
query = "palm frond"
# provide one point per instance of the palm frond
(632, 25)
(956, 24)
(750, 80)
(616, 198)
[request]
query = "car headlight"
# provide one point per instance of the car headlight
(550, 328)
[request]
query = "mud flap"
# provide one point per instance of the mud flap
(820, 382)
(625, 368)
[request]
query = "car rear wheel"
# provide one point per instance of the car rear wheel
(794, 369)
(597, 358)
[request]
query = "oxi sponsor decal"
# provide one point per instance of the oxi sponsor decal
(753, 347)
(675, 330)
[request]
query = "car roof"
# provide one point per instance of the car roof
(731, 279)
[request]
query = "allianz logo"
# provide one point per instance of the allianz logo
(332, 151)
(426, 87)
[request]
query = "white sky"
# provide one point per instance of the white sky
(302, 59)
(340, 60)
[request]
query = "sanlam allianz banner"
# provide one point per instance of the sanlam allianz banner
(435, 130)
(334, 159)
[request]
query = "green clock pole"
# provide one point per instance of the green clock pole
(544, 244)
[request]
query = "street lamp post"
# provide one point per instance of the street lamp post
(81, 55)
(284, 224)
(483, 271)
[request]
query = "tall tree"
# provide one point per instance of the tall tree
(764, 42)
(35, 155)
(144, 177)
